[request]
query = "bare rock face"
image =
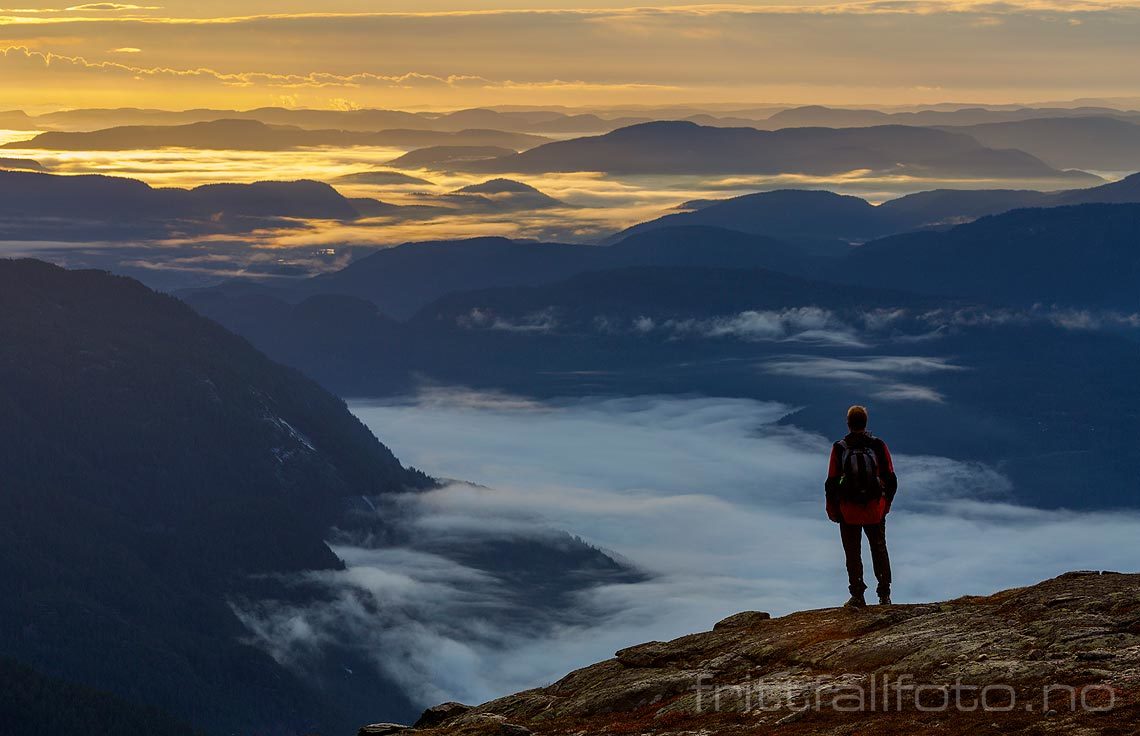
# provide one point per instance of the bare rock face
(383, 729)
(745, 620)
(439, 714)
(1061, 657)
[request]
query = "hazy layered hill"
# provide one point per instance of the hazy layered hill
(836, 117)
(156, 468)
(382, 177)
(365, 120)
(21, 164)
(447, 156)
(817, 673)
(39, 206)
(822, 214)
(688, 148)
(16, 120)
(586, 123)
(498, 186)
(1098, 143)
(402, 280)
(549, 121)
(942, 363)
(781, 213)
(95, 196)
(507, 194)
(1046, 294)
(86, 208)
(253, 135)
(1082, 255)
(661, 293)
(86, 119)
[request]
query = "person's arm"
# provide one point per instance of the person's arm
(890, 480)
(831, 486)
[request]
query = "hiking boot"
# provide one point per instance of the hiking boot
(884, 599)
(855, 601)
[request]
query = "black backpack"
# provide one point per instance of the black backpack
(859, 480)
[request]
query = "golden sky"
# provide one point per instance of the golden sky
(460, 53)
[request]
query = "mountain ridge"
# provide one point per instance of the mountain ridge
(1058, 657)
(1076, 255)
(685, 147)
(821, 213)
(253, 135)
(157, 467)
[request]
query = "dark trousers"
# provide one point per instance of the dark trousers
(852, 535)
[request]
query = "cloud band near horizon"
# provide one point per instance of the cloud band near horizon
(839, 53)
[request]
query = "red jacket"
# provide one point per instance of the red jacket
(853, 513)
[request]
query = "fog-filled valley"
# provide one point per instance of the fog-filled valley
(725, 520)
(321, 417)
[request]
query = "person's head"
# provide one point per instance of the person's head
(857, 418)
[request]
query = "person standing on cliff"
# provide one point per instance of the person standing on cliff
(860, 488)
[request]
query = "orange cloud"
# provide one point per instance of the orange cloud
(890, 51)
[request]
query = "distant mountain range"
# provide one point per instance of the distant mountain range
(836, 117)
(554, 121)
(368, 120)
(1097, 143)
(933, 322)
(1045, 144)
(801, 213)
(404, 279)
(37, 206)
(804, 232)
(688, 148)
(253, 135)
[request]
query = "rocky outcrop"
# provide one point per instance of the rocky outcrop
(440, 714)
(383, 729)
(1060, 657)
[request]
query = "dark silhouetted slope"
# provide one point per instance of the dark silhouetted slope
(156, 467)
(403, 279)
(1083, 255)
(34, 705)
(1125, 191)
(784, 213)
(797, 213)
(661, 292)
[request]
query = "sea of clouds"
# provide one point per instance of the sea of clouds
(715, 499)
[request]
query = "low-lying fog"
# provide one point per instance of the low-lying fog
(716, 501)
(597, 205)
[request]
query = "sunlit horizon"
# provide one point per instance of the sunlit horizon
(457, 54)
